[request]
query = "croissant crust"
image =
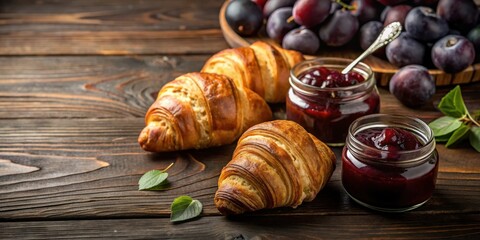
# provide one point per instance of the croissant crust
(200, 110)
(262, 67)
(275, 164)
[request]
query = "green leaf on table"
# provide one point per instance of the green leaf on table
(475, 138)
(452, 104)
(444, 125)
(154, 179)
(184, 208)
(457, 136)
(162, 186)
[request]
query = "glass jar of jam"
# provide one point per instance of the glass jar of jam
(325, 102)
(389, 163)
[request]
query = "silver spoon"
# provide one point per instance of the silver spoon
(388, 34)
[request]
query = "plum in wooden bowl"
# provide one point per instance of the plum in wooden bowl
(338, 33)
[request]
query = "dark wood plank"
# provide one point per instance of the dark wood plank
(124, 86)
(428, 112)
(86, 87)
(377, 226)
(68, 129)
(110, 27)
(69, 160)
(89, 168)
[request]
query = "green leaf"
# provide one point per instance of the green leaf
(163, 186)
(443, 138)
(452, 104)
(475, 138)
(459, 134)
(444, 125)
(184, 208)
(151, 179)
(154, 179)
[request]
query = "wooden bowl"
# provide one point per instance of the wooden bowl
(382, 68)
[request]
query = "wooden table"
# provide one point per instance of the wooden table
(76, 78)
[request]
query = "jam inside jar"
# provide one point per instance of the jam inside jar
(325, 102)
(389, 163)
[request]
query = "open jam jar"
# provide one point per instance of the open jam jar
(389, 163)
(325, 102)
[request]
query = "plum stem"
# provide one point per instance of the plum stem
(452, 41)
(290, 19)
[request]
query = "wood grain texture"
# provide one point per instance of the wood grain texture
(77, 119)
(109, 27)
(382, 226)
(125, 86)
(94, 174)
(69, 157)
(86, 87)
(7, 167)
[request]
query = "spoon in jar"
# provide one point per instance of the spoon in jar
(388, 34)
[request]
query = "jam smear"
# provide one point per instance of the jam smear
(328, 78)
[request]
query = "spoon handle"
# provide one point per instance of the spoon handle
(388, 34)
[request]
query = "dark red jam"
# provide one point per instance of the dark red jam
(325, 78)
(383, 179)
(389, 139)
(332, 104)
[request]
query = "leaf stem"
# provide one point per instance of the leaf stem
(473, 120)
(467, 118)
(344, 5)
(169, 166)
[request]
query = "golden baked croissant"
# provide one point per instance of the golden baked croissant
(261, 67)
(199, 110)
(275, 164)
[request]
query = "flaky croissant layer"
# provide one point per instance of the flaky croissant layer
(275, 164)
(262, 67)
(200, 110)
(214, 107)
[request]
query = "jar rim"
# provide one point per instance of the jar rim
(361, 67)
(412, 156)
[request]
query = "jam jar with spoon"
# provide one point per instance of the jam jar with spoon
(328, 94)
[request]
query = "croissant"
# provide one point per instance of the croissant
(200, 110)
(261, 67)
(275, 164)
